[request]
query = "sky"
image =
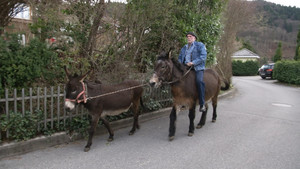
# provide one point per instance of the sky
(291, 3)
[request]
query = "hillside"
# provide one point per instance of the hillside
(274, 23)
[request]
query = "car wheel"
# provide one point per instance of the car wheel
(263, 77)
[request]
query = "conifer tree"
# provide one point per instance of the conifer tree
(297, 55)
(278, 54)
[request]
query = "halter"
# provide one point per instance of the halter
(83, 94)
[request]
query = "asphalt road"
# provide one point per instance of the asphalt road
(258, 127)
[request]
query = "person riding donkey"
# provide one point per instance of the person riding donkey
(194, 54)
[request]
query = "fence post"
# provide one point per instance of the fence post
(38, 98)
(58, 106)
(51, 107)
(7, 110)
(23, 102)
(64, 108)
(30, 100)
(45, 108)
(15, 101)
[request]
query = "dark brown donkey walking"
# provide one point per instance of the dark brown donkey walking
(184, 91)
(79, 91)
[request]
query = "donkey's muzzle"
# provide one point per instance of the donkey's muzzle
(152, 84)
(69, 106)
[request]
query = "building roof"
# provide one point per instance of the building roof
(245, 53)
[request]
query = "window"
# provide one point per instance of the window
(24, 14)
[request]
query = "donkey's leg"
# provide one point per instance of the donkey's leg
(192, 118)
(172, 128)
(95, 119)
(203, 118)
(136, 113)
(110, 131)
(214, 104)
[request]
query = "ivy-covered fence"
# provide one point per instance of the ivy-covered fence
(40, 111)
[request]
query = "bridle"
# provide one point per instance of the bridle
(176, 80)
(83, 93)
(179, 79)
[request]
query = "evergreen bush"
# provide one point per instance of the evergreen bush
(247, 68)
(287, 71)
(22, 66)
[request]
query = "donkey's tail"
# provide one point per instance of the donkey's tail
(227, 84)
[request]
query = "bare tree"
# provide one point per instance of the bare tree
(237, 14)
(100, 9)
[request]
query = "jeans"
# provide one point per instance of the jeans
(200, 86)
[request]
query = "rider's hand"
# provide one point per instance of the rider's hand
(190, 64)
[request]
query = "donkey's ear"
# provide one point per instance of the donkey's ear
(84, 76)
(67, 72)
(170, 52)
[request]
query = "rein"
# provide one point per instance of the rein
(174, 81)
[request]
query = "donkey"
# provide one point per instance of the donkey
(184, 91)
(117, 100)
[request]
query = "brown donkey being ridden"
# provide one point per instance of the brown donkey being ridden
(184, 91)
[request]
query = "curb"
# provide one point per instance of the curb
(18, 148)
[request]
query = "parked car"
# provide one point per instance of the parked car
(266, 70)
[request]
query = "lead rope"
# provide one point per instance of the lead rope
(102, 95)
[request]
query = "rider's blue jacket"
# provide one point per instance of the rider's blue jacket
(198, 55)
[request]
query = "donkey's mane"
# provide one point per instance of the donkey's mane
(178, 65)
(164, 57)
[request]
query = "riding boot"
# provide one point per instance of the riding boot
(202, 108)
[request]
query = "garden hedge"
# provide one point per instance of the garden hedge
(287, 72)
(247, 68)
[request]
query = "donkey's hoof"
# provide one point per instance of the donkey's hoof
(131, 133)
(213, 120)
(199, 126)
(110, 139)
(86, 149)
(190, 134)
(171, 138)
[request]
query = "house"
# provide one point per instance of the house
(245, 55)
(20, 24)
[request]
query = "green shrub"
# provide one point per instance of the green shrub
(287, 71)
(21, 66)
(21, 127)
(248, 68)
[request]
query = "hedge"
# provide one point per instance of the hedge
(248, 68)
(287, 72)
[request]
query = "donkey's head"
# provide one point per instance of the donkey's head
(162, 70)
(75, 90)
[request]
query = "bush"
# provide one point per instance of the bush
(287, 71)
(21, 127)
(248, 68)
(22, 66)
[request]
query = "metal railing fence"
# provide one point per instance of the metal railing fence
(49, 103)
